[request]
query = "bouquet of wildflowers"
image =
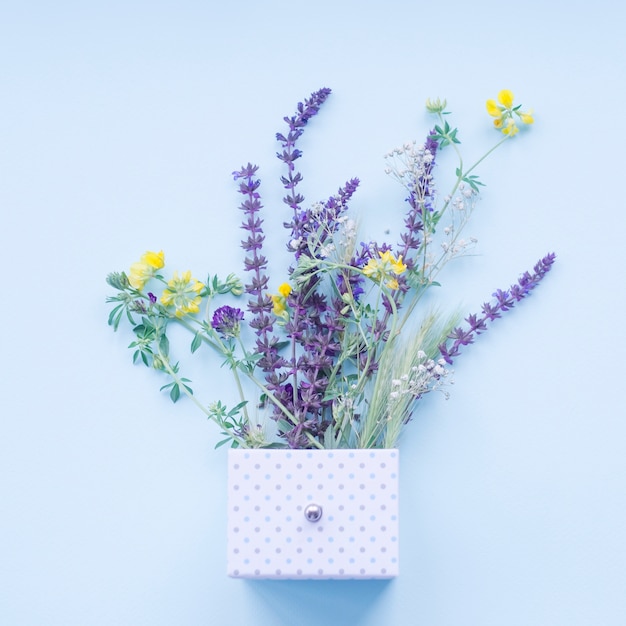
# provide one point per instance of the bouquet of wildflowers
(332, 355)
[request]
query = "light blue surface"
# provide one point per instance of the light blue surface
(120, 125)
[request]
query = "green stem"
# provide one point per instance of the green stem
(313, 440)
(181, 385)
(216, 346)
(219, 346)
(371, 431)
(482, 158)
(463, 174)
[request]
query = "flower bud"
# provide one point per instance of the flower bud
(435, 106)
(233, 285)
(118, 280)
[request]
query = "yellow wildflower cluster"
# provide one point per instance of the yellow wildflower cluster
(387, 267)
(504, 113)
(182, 292)
(279, 300)
(142, 271)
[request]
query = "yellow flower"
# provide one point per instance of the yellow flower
(284, 289)
(154, 259)
(279, 300)
(505, 98)
(142, 271)
(182, 292)
(398, 266)
(505, 113)
(527, 118)
(280, 305)
(385, 267)
(510, 128)
(493, 109)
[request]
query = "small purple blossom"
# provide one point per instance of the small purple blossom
(138, 306)
(226, 321)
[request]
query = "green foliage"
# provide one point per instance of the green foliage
(231, 421)
(446, 135)
(472, 180)
(197, 342)
(175, 387)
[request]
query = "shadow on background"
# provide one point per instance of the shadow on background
(336, 602)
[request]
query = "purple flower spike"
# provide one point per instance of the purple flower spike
(504, 300)
(226, 321)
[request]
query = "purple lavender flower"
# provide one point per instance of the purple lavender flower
(310, 310)
(318, 317)
(226, 321)
(267, 345)
(290, 154)
(260, 304)
(504, 301)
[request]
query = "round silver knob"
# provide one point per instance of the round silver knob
(313, 513)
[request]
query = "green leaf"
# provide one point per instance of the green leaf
(197, 342)
(473, 182)
(115, 316)
(164, 344)
(284, 425)
(147, 323)
(175, 393)
(237, 408)
(140, 330)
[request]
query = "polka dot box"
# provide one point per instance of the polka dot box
(274, 502)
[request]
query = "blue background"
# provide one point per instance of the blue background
(120, 125)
